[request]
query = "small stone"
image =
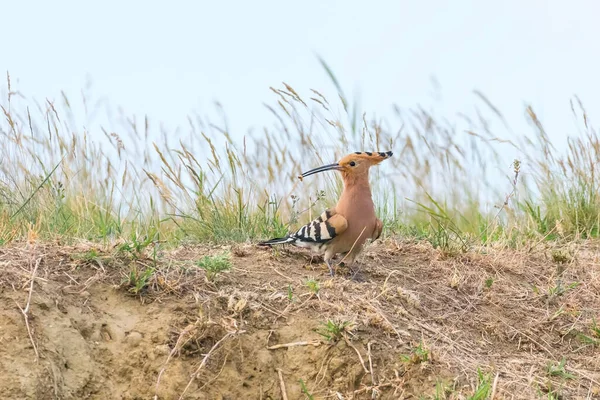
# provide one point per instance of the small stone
(134, 338)
(96, 336)
(162, 349)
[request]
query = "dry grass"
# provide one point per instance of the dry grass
(209, 184)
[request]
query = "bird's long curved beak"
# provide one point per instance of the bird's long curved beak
(328, 167)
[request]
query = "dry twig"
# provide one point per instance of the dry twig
(25, 311)
(293, 344)
(176, 348)
(352, 248)
(362, 363)
(203, 363)
(495, 386)
(282, 384)
(373, 380)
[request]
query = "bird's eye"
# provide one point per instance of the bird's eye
(352, 163)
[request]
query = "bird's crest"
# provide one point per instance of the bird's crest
(373, 157)
(354, 163)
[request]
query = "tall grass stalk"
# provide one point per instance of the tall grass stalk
(101, 182)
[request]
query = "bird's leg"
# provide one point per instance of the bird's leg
(328, 257)
(330, 266)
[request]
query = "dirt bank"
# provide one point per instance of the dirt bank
(416, 323)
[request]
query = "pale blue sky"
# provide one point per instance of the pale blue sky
(166, 59)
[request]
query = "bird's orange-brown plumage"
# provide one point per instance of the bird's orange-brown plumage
(345, 228)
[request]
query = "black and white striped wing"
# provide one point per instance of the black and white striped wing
(320, 230)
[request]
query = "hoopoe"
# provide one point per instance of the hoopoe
(344, 228)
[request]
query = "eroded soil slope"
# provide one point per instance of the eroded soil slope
(414, 322)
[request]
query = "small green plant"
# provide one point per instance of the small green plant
(333, 330)
(595, 328)
(547, 392)
(418, 354)
(313, 285)
(442, 391)
(136, 244)
(587, 339)
(560, 256)
(540, 221)
(444, 231)
(305, 391)
(559, 370)
(290, 293)
(214, 265)
(138, 280)
(489, 282)
(484, 386)
(90, 256)
(559, 289)
(594, 334)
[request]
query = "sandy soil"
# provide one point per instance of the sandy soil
(513, 315)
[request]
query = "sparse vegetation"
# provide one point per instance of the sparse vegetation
(138, 279)
(89, 256)
(305, 390)
(489, 282)
(313, 285)
(483, 390)
(559, 370)
(136, 245)
(595, 328)
(442, 391)
(417, 355)
(214, 265)
(560, 289)
(333, 330)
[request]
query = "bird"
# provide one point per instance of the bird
(345, 228)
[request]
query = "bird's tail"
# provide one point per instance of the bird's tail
(282, 240)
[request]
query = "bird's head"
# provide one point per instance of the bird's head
(354, 164)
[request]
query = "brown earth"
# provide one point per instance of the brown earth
(512, 315)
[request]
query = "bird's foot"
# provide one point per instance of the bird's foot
(355, 273)
(316, 258)
(357, 276)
